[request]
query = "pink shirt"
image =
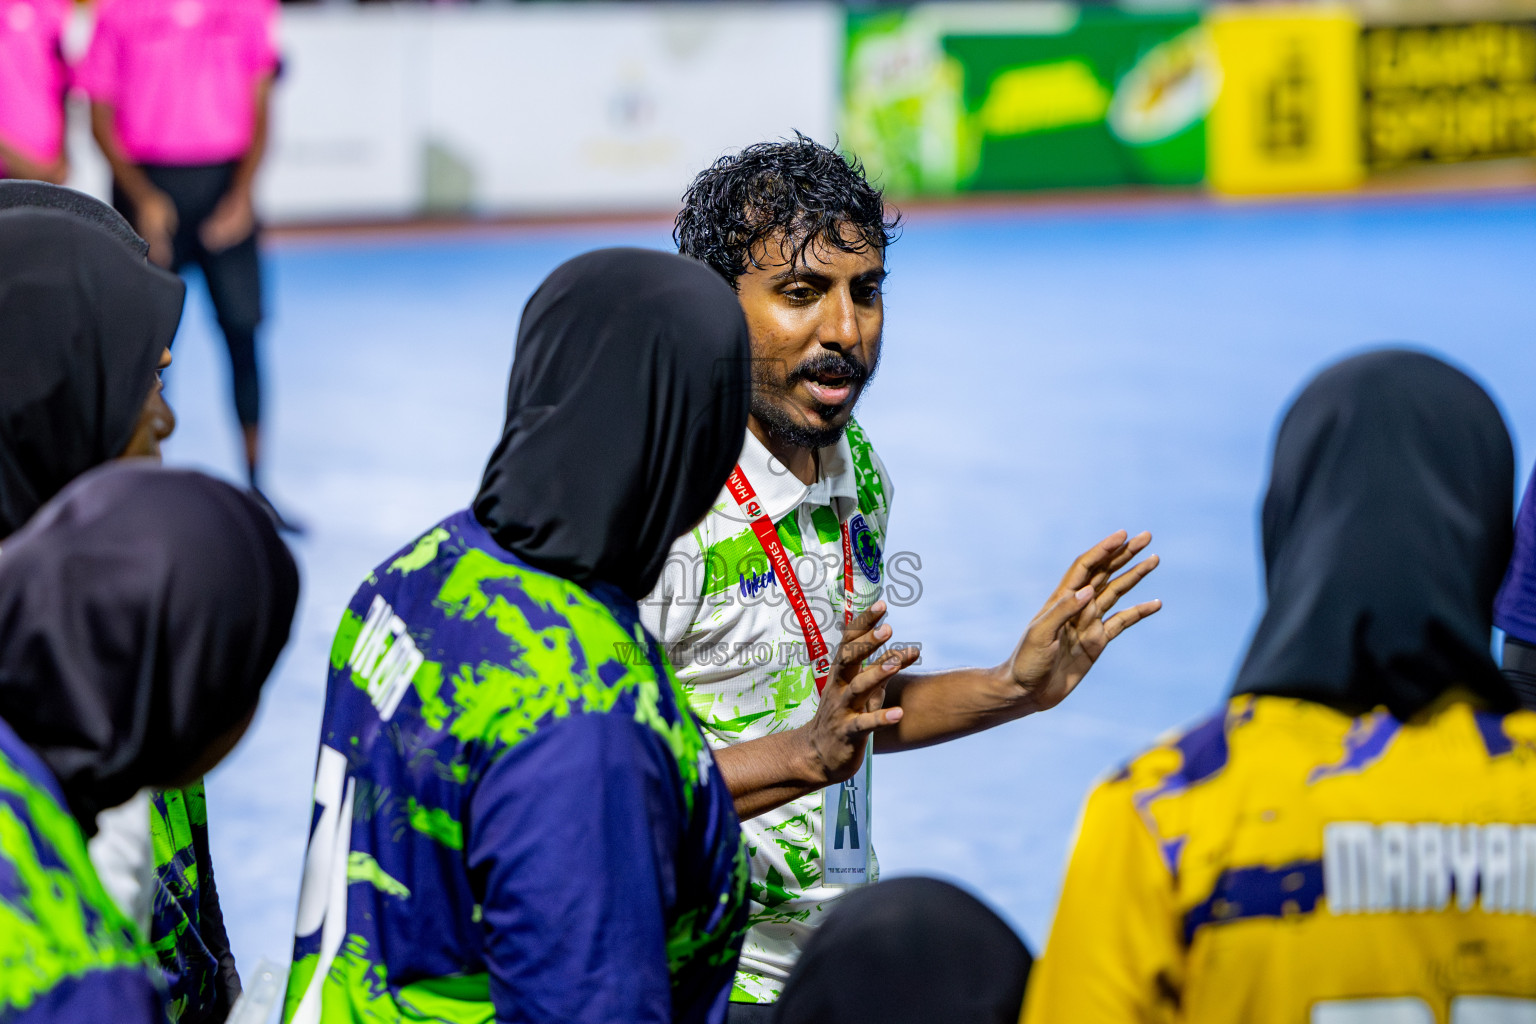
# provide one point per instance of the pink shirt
(182, 75)
(32, 77)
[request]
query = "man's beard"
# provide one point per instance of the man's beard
(780, 424)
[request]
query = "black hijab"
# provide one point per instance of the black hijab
(1386, 533)
(83, 321)
(17, 194)
(140, 613)
(908, 951)
(626, 410)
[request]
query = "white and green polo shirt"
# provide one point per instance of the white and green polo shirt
(740, 656)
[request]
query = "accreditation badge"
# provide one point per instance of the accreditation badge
(845, 827)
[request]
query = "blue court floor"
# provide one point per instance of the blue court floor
(1049, 375)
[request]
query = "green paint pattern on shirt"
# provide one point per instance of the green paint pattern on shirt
(805, 863)
(423, 554)
(800, 853)
(735, 726)
(553, 671)
(564, 656)
(867, 479)
(682, 737)
(791, 686)
(771, 892)
(428, 682)
(727, 561)
(171, 833)
(828, 529)
(356, 990)
(176, 817)
(549, 672)
(345, 639)
(690, 933)
(435, 823)
(57, 923)
(361, 867)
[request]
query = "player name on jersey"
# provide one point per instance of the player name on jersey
(384, 657)
(1378, 869)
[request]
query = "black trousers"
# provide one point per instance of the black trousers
(749, 1013)
(233, 274)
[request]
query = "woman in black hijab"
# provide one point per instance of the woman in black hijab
(85, 323)
(1386, 535)
(140, 613)
(541, 808)
(922, 951)
(614, 379)
(1344, 828)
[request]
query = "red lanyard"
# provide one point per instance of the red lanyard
(768, 537)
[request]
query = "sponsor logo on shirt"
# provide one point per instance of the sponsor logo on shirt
(866, 550)
(754, 583)
(1380, 869)
(384, 657)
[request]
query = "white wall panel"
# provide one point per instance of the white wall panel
(386, 112)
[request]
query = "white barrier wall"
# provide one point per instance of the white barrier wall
(347, 116)
(393, 111)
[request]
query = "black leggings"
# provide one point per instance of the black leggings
(233, 274)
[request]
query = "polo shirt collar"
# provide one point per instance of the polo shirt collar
(781, 492)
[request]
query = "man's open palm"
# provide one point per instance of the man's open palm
(1071, 631)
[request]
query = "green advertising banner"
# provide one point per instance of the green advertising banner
(949, 97)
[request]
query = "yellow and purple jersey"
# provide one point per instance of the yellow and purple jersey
(1285, 863)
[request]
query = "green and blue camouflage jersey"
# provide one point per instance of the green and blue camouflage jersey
(67, 954)
(516, 817)
(186, 928)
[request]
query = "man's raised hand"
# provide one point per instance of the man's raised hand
(852, 705)
(1071, 631)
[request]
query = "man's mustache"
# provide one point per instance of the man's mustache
(830, 364)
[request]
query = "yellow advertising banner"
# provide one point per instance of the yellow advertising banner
(1287, 117)
(1445, 93)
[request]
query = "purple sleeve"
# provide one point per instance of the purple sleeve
(1514, 611)
(123, 995)
(570, 847)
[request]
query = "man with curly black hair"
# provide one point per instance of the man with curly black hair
(795, 543)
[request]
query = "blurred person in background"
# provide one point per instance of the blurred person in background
(1515, 610)
(1352, 837)
(85, 323)
(801, 236)
(179, 95)
(140, 613)
(33, 80)
(516, 817)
